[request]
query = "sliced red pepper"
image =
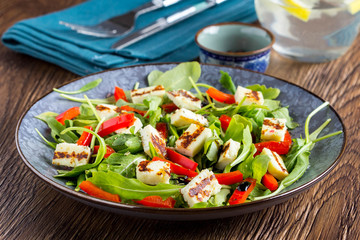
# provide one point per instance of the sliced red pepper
(169, 107)
(177, 169)
(225, 121)
(131, 109)
(269, 182)
(156, 201)
(162, 129)
(121, 121)
(95, 191)
(85, 138)
(181, 159)
(242, 191)
(119, 94)
(280, 148)
(68, 115)
(109, 150)
(229, 178)
(220, 96)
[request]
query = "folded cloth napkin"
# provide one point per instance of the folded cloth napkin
(44, 38)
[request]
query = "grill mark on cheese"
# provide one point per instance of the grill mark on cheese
(79, 156)
(136, 92)
(198, 189)
(253, 94)
(277, 160)
(186, 138)
(274, 125)
(105, 108)
(225, 148)
(159, 144)
(143, 166)
(184, 94)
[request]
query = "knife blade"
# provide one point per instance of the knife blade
(165, 22)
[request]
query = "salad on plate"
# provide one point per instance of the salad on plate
(178, 143)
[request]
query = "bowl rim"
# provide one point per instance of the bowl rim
(236, 54)
(128, 209)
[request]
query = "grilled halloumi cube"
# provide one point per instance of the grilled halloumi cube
(153, 172)
(229, 153)
(107, 111)
(150, 135)
(276, 165)
(192, 140)
(252, 97)
(183, 117)
(71, 155)
(184, 99)
(273, 129)
(137, 125)
(201, 188)
(138, 95)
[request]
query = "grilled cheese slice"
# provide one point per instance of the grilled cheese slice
(153, 172)
(138, 95)
(252, 97)
(150, 135)
(71, 155)
(184, 99)
(183, 117)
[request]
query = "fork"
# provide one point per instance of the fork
(121, 24)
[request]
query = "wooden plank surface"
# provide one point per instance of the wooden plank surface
(29, 209)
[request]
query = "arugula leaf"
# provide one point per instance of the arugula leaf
(268, 92)
(154, 112)
(247, 142)
(57, 128)
(260, 166)
(121, 163)
(109, 100)
(51, 144)
(245, 167)
(85, 88)
(124, 143)
(236, 127)
(153, 76)
(131, 188)
(178, 77)
(227, 82)
(284, 113)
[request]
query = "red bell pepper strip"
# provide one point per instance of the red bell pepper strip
(119, 94)
(85, 138)
(225, 121)
(269, 182)
(280, 148)
(177, 169)
(68, 115)
(181, 159)
(242, 191)
(113, 124)
(131, 109)
(220, 96)
(229, 178)
(95, 191)
(109, 150)
(162, 129)
(169, 107)
(156, 201)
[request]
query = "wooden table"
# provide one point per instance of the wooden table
(30, 209)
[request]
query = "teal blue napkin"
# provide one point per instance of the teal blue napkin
(44, 38)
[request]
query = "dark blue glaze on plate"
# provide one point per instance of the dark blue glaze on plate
(324, 157)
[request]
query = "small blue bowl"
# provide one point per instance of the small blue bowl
(235, 44)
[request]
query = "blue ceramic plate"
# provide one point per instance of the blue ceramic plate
(324, 157)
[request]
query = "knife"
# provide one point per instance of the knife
(165, 22)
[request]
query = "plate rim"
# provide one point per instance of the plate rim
(174, 211)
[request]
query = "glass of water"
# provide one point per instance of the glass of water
(310, 30)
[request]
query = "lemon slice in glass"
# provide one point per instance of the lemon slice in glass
(299, 9)
(353, 6)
